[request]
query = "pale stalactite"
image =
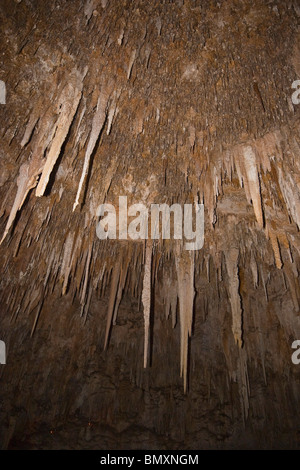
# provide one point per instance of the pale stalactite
(207, 262)
(251, 175)
(113, 110)
(184, 261)
(27, 179)
(254, 270)
(275, 245)
(267, 147)
(131, 62)
(97, 126)
(69, 103)
(146, 297)
(231, 257)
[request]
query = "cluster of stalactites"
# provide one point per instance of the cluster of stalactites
(252, 162)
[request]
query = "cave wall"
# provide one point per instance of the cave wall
(164, 102)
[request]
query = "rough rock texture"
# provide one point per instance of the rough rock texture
(163, 102)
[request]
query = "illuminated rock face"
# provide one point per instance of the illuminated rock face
(144, 344)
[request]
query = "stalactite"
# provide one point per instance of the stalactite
(244, 386)
(26, 180)
(231, 257)
(253, 183)
(112, 299)
(18, 242)
(207, 259)
(97, 126)
(170, 292)
(69, 103)
(66, 262)
(107, 180)
(86, 275)
(33, 119)
(294, 288)
(131, 62)
(40, 306)
(146, 297)
(113, 110)
(184, 262)
(264, 284)
(291, 193)
(99, 278)
(87, 304)
(123, 276)
(193, 157)
(275, 246)
(49, 267)
(253, 266)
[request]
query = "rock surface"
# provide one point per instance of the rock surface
(163, 102)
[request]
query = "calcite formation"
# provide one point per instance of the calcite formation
(180, 102)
